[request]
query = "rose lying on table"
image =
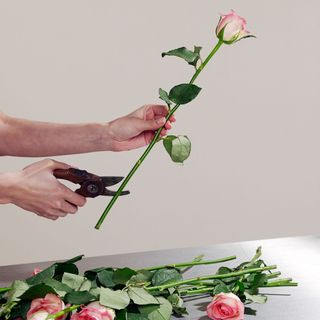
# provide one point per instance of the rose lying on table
(59, 292)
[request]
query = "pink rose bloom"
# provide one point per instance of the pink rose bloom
(94, 311)
(226, 306)
(40, 308)
(231, 28)
(36, 271)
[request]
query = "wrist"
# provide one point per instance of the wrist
(8, 183)
(107, 140)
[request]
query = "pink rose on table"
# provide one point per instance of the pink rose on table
(225, 306)
(232, 28)
(94, 311)
(40, 308)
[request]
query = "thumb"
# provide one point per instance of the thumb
(146, 125)
(53, 164)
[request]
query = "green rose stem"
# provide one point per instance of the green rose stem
(63, 312)
(5, 289)
(190, 264)
(215, 276)
(153, 142)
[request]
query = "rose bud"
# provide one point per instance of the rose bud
(232, 28)
(40, 308)
(36, 271)
(94, 311)
(226, 306)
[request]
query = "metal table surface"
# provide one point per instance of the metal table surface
(296, 257)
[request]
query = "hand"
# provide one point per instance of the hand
(36, 189)
(137, 129)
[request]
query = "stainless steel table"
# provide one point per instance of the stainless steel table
(297, 257)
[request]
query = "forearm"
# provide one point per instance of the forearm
(19, 137)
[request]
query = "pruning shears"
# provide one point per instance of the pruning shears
(91, 185)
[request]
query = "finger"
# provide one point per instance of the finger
(172, 119)
(159, 110)
(73, 197)
(67, 207)
(168, 125)
(163, 132)
(56, 213)
(147, 125)
(53, 164)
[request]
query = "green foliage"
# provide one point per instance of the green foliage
(258, 298)
(73, 281)
(178, 147)
(191, 57)
(37, 291)
(184, 93)
(79, 297)
(18, 287)
(164, 276)
(123, 275)
(60, 288)
(105, 278)
(141, 296)
(163, 95)
(177, 305)
(158, 312)
(117, 299)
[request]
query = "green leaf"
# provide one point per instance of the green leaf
(224, 270)
(114, 299)
(18, 287)
(160, 312)
(20, 310)
(191, 57)
(79, 297)
(257, 298)
(61, 268)
(178, 147)
(121, 276)
(250, 311)
(47, 273)
(142, 277)
(75, 259)
(163, 95)
(177, 305)
(60, 288)
(141, 296)
(184, 93)
(221, 288)
(166, 275)
(136, 316)
(105, 278)
(73, 281)
(37, 291)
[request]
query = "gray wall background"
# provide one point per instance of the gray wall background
(254, 169)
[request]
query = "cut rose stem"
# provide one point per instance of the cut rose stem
(215, 276)
(63, 312)
(153, 142)
(191, 263)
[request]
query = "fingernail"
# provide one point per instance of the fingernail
(161, 121)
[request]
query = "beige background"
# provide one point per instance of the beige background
(254, 169)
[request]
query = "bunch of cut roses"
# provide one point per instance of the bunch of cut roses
(152, 293)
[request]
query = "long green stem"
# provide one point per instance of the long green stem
(63, 312)
(152, 143)
(191, 263)
(215, 276)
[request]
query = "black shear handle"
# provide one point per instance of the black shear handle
(72, 174)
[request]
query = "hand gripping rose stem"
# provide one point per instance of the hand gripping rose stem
(154, 140)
